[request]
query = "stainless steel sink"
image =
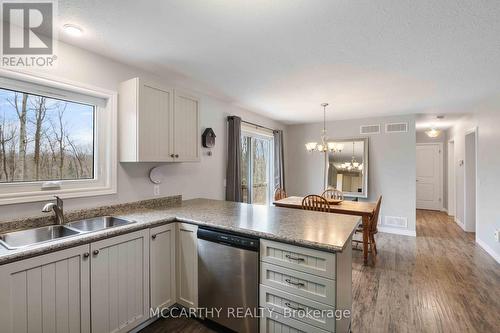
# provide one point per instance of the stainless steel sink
(19, 239)
(98, 223)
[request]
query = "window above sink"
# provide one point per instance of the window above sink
(55, 138)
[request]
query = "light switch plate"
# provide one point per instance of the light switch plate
(497, 235)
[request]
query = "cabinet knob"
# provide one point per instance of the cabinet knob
(176, 155)
(96, 252)
(86, 255)
(153, 236)
(172, 155)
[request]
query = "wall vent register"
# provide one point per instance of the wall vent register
(369, 129)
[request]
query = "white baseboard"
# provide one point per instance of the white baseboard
(397, 231)
(444, 210)
(457, 221)
(489, 250)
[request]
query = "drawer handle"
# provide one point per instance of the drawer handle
(96, 252)
(299, 284)
(294, 258)
(288, 305)
(86, 255)
(153, 236)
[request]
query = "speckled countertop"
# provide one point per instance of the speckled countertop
(322, 231)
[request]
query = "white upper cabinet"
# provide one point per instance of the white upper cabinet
(156, 124)
(186, 125)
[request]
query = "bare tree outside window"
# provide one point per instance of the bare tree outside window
(43, 138)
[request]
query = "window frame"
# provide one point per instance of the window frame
(105, 139)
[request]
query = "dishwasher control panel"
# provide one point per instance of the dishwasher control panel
(228, 239)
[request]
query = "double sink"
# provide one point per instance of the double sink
(24, 238)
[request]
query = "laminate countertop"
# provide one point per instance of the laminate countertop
(322, 231)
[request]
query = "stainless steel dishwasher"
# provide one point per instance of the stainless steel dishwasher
(228, 278)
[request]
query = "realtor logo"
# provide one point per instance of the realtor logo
(28, 34)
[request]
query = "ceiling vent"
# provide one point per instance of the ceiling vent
(396, 128)
(396, 221)
(370, 129)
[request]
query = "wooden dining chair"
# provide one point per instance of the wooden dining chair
(316, 203)
(279, 194)
(373, 228)
(332, 193)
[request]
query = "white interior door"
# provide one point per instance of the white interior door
(429, 180)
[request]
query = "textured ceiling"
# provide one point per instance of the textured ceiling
(283, 58)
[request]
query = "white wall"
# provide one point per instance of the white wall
(424, 138)
(204, 179)
(391, 164)
(486, 116)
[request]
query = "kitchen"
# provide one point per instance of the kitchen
(200, 166)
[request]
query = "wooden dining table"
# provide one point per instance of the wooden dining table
(358, 208)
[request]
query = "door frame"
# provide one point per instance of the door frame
(440, 145)
(452, 184)
(474, 131)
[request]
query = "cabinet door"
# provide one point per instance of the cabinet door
(119, 282)
(162, 266)
(186, 136)
(187, 265)
(155, 117)
(49, 293)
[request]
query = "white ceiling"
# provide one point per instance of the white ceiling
(282, 58)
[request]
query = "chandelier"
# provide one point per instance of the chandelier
(353, 165)
(324, 146)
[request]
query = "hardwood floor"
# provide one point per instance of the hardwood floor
(439, 281)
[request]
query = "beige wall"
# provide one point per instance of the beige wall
(392, 163)
(204, 179)
(486, 116)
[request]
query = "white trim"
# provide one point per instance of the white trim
(488, 250)
(467, 132)
(441, 174)
(396, 231)
(106, 181)
(460, 224)
(452, 176)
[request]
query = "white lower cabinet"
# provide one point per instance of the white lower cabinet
(48, 293)
(120, 282)
(187, 265)
(162, 266)
(305, 290)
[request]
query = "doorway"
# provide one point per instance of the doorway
(257, 166)
(470, 180)
(429, 176)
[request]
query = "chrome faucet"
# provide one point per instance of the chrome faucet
(57, 207)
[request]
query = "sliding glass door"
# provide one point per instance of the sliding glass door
(256, 167)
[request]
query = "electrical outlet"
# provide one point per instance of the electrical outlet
(156, 189)
(497, 235)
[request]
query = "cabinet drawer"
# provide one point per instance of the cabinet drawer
(299, 308)
(276, 323)
(306, 260)
(298, 283)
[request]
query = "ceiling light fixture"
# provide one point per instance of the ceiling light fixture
(73, 30)
(433, 133)
(324, 146)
